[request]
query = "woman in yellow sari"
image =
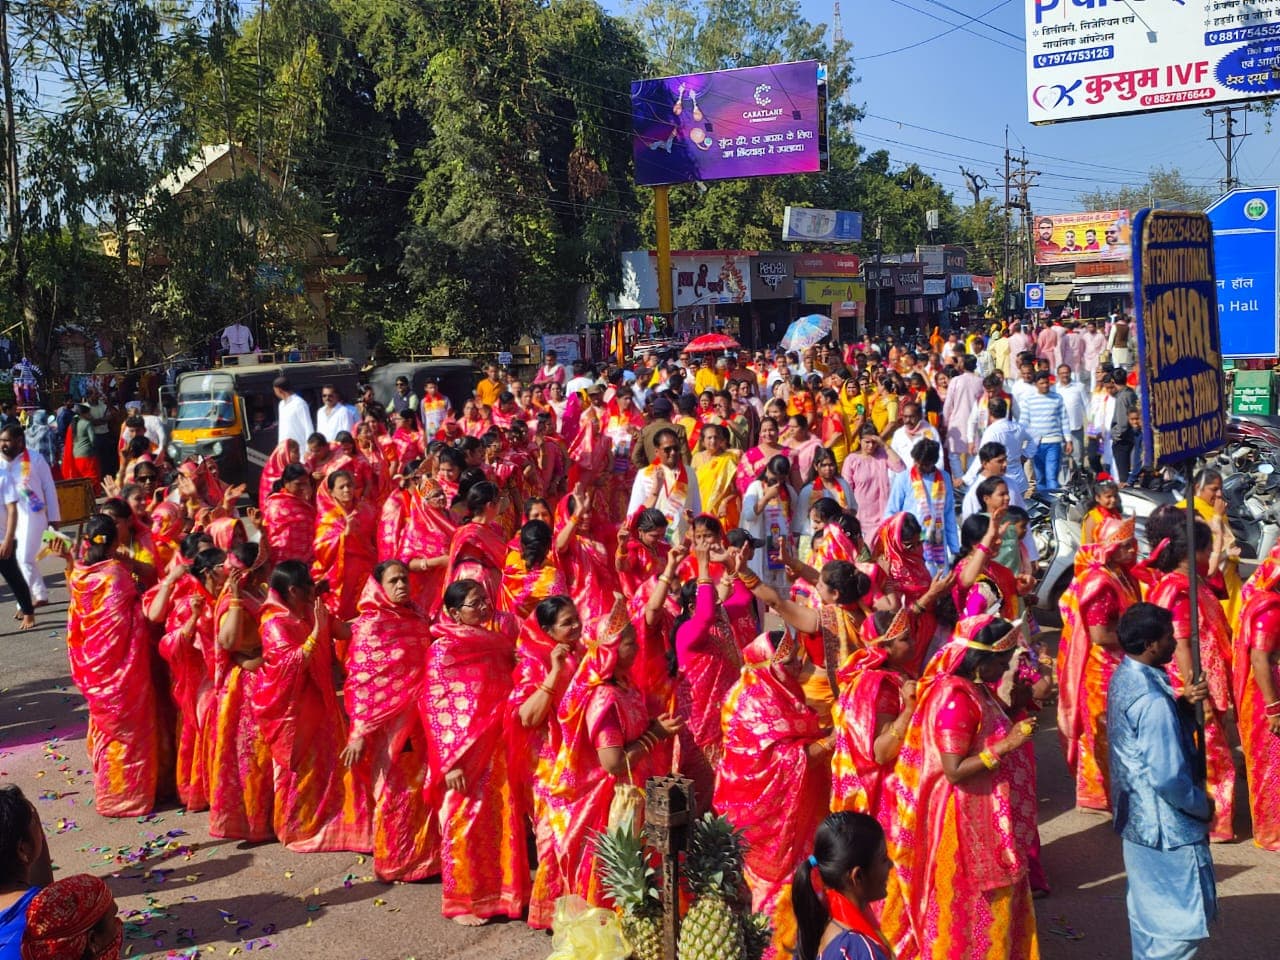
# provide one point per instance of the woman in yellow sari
(1211, 507)
(717, 468)
(854, 405)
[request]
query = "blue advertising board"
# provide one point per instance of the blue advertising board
(1246, 253)
(1182, 386)
(748, 122)
(1033, 296)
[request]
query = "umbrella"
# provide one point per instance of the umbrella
(711, 342)
(805, 332)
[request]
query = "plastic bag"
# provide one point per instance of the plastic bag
(580, 931)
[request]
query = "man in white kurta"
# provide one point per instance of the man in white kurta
(668, 486)
(32, 478)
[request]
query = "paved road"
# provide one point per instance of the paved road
(182, 891)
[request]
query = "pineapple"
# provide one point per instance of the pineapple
(757, 934)
(625, 872)
(713, 867)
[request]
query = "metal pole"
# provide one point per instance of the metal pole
(662, 227)
(1193, 640)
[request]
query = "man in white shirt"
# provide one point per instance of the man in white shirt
(1018, 444)
(237, 339)
(1023, 387)
(9, 567)
(914, 429)
(667, 486)
(37, 502)
(334, 416)
(994, 461)
(1076, 399)
(293, 418)
(581, 379)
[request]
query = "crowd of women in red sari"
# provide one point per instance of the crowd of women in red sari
(436, 648)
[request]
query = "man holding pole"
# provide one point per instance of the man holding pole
(1161, 813)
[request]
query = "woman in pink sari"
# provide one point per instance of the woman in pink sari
(1257, 696)
(469, 671)
(752, 462)
(547, 657)
(1172, 557)
(383, 690)
(964, 817)
(474, 422)
(608, 735)
(346, 546)
(109, 647)
(774, 747)
(320, 803)
(372, 458)
(899, 553)
(877, 698)
(284, 454)
(188, 646)
(416, 527)
(166, 534)
(531, 573)
(586, 561)
(642, 550)
(478, 550)
(241, 790)
(290, 516)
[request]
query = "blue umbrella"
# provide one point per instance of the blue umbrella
(805, 332)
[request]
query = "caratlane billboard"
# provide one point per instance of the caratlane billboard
(749, 122)
(1099, 58)
(1082, 237)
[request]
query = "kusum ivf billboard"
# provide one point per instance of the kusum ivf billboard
(749, 122)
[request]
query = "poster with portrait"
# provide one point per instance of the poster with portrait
(1082, 237)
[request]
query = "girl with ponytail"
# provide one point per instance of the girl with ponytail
(834, 888)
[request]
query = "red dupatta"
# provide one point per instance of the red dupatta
(386, 662)
(291, 527)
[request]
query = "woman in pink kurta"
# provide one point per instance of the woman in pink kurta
(469, 669)
(608, 734)
(386, 675)
(320, 804)
(109, 646)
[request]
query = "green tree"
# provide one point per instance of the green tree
(1169, 186)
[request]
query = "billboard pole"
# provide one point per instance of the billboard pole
(662, 226)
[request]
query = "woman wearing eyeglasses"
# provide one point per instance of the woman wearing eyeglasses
(485, 870)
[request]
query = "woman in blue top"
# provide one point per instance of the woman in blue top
(24, 866)
(834, 888)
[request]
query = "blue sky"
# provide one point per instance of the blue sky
(930, 103)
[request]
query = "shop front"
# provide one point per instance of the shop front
(832, 284)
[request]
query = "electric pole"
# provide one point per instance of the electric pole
(1025, 179)
(1020, 180)
(1007, 184)
(977, 183)
(1229, 135)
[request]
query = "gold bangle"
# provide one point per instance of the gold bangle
(749, 579)
(706, 580)
(234, 604)
(550, 691)
(989, 759)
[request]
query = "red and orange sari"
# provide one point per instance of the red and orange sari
(109, 646)
(385, 681)
(1173, 592)
(410, 528)
(482, 851)
(600, 709)
(291, 527)
(346, 553)
(1097, 596)
(533, 758)
(241, 793)
(869, 688)
(960, 888)
(588, 566)
(768, 729)
(478, 551)
(320, 805)
(909, 575)
(284, 454)
(526, 588)
(1259, 630)
(191, 673)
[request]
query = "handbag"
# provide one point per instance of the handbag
(626, 810)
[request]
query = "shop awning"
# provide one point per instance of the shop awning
(1117, 284)
(1057, 292)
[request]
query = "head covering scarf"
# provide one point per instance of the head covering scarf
(907, 568)
(62, 915)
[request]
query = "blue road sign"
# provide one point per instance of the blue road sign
(1033, 296)
(1246, 253)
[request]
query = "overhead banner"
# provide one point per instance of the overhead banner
(749, 122)
(807, 225)
(1246, 253)
(1098, 58)
(1075, 237)
(1182, 384)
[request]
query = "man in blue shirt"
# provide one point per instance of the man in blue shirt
(926, 493)
(1044, 416)
(1161, 813)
